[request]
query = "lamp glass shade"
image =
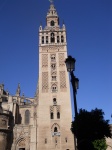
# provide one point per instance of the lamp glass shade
(70, 64)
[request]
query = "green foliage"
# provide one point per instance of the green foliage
(90, 126)
(100, 144)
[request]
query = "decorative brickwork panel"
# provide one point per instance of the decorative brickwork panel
(62, 80)
(52, 48)
(61, 59)
(44, 81)
(58, 108)
(51, 108)
(44, 60)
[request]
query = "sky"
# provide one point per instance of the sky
(89, 41)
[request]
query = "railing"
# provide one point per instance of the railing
(56, 134)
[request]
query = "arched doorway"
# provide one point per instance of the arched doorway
(21, 145)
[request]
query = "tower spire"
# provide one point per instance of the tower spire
(18, 90)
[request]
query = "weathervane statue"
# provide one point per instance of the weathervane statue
(51, 1)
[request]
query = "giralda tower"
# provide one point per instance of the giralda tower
(54, 104)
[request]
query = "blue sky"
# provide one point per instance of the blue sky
(89, 38)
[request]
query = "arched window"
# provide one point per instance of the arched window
(46, 39)
(27, 117)
(55, 129)
(58, 39)
(52, 38)
(58, 115)
(53, 57)
(54, 88)
(52, 115)
(52, 23)
(42, 39)
(54, 101)
(62, 39)
(53, 66)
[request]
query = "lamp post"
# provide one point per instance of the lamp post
(70, 64)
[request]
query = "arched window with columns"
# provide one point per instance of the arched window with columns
(27, 117)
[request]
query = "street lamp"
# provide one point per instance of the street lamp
(70, 64)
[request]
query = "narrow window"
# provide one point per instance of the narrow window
(53, 66)
(58, 115)
(42, 39)
(52, 23)
(55, 129)
(54, 101)
(45, 141)
(58, 40)
(46, 39)
(52, 38)
(66, 140)
(53, 58)
(52, 115)
(62, 39)
(27, 117)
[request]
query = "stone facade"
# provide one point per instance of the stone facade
(44, 121)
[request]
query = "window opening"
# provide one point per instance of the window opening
(53, 78)
(58, 115)
(54, 88)
(66, 140)
(45, 141)
(42, 39)
(52, 23)
(46, 39)
(52, 38)
(53, 66)
(58, 40)
(62, 39)
(54, 101)
(27, 117)
(55, 129)
(53, 58)
(52, 115)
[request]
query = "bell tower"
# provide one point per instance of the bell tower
(54, 104)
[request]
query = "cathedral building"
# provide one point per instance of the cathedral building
(44, 121)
